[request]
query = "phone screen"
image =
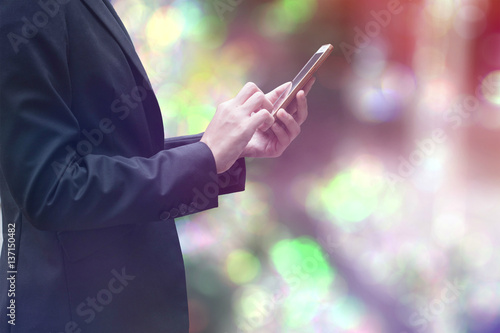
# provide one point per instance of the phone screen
(306, 69)
(302, 77)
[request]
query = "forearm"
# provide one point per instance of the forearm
(230, 181)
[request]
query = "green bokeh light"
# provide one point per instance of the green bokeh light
(298, 10)
(191, 114)
(344, 198)
(192, 14)
(209, 32)
(348, 313)
(353, 195)
(285, 16)
(303, 265)
(255, 307)
(242, 266)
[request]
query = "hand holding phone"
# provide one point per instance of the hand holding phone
(302, 78)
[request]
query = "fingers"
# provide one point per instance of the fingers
(276, 93)
(291, 125)
(309, 85)
(287, 133)
(293, 107)
(261, 119)
(256, 102)
(248, 90)
(281, 135)
(297, 105)
(302, 111)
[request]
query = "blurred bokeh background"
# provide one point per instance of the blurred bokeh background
(383, 215)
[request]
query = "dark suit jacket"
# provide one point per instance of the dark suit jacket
(89, 186)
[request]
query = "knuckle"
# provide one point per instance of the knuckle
(251, 86)
(259, 95)
(224, 105)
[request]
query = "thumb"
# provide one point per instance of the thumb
(261, 119)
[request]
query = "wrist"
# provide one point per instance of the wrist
(214, 153)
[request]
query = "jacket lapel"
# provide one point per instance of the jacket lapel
(106, 14)
(111, 21)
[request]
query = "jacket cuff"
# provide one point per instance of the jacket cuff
(201, 187)
(233, 180)
(173, 142)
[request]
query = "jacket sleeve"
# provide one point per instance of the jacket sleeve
(93, 191)
(230, 181)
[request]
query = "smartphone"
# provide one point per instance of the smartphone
(302, 78)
